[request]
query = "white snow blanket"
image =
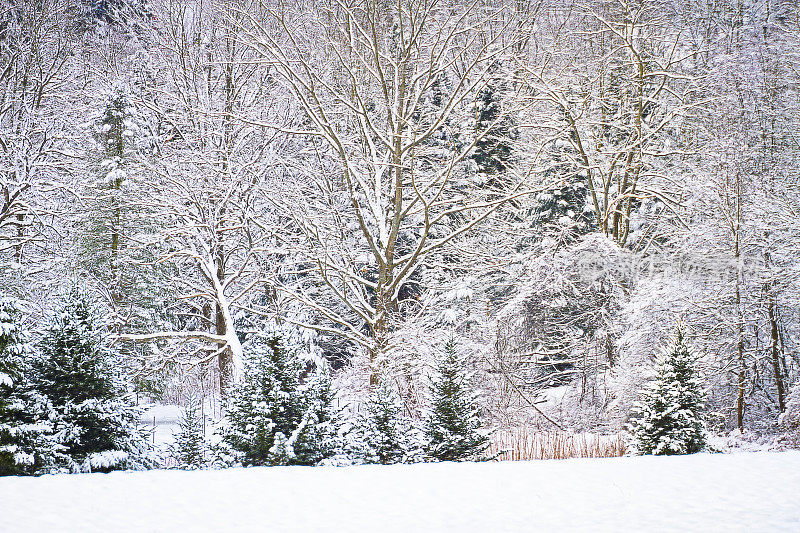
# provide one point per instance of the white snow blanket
(738, 492)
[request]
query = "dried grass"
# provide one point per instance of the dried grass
(524, 445)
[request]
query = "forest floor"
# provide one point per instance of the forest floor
(703, 492)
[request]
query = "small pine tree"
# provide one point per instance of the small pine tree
(317, 440)
(272, 418)
(453, 426)
(668, 416)
(190, 447)
(95, 421)
(12, 349)
(26, 445)
(383, 435)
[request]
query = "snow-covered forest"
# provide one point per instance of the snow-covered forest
(338, 232)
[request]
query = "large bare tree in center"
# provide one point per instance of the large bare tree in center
(382, 196)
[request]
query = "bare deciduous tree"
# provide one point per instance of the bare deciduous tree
(383, 200)
(36, 42)
(208, 179)
(617, 97)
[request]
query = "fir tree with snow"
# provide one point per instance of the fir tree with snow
(273, 418)
(26, 444)
(668, 417)
(383, 435)
(113, 147)
(494, 150)
(563, 210)
(790, 419)
(190, 447)
(95, 419)
(317, 438)
(12, 349)
(112, 210)
(453, 428)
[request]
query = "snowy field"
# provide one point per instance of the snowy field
(739, 492)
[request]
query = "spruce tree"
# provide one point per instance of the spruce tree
(116, 210)
(383, 435)
(273, 418)
(563, 210)
(111, 211)
(26, 439)
(190, 447)
(790, 419)
(12, 350)
(494, 150)
(317, 440)
(96, 421)
(453, 426)
(668, 416)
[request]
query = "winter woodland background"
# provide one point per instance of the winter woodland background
(389, 231)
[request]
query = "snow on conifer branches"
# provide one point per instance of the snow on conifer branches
(454, 426)
(669, 416)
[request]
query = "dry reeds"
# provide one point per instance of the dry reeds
(523, 445)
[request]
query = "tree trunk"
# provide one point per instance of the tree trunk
(776, 366)
(20, 236)
(381, 328)
(741, 378)
(225, 358)
(116, 222)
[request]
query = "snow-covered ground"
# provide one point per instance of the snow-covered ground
(737, 492)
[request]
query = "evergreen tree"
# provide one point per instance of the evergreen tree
(111, 210)
(12, 349)
(98, 13)
(494, 150)
(317, 439)
(563, 209)
(668, 416)
(116, 210)
(26, 445)
(453, 427)
(383, 435)
(190, 447)
(95, 420)
(273, 418)
(790, 419)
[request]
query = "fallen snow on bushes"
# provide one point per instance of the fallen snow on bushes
(737, 492)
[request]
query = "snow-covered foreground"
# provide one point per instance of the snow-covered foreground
(739, 492)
